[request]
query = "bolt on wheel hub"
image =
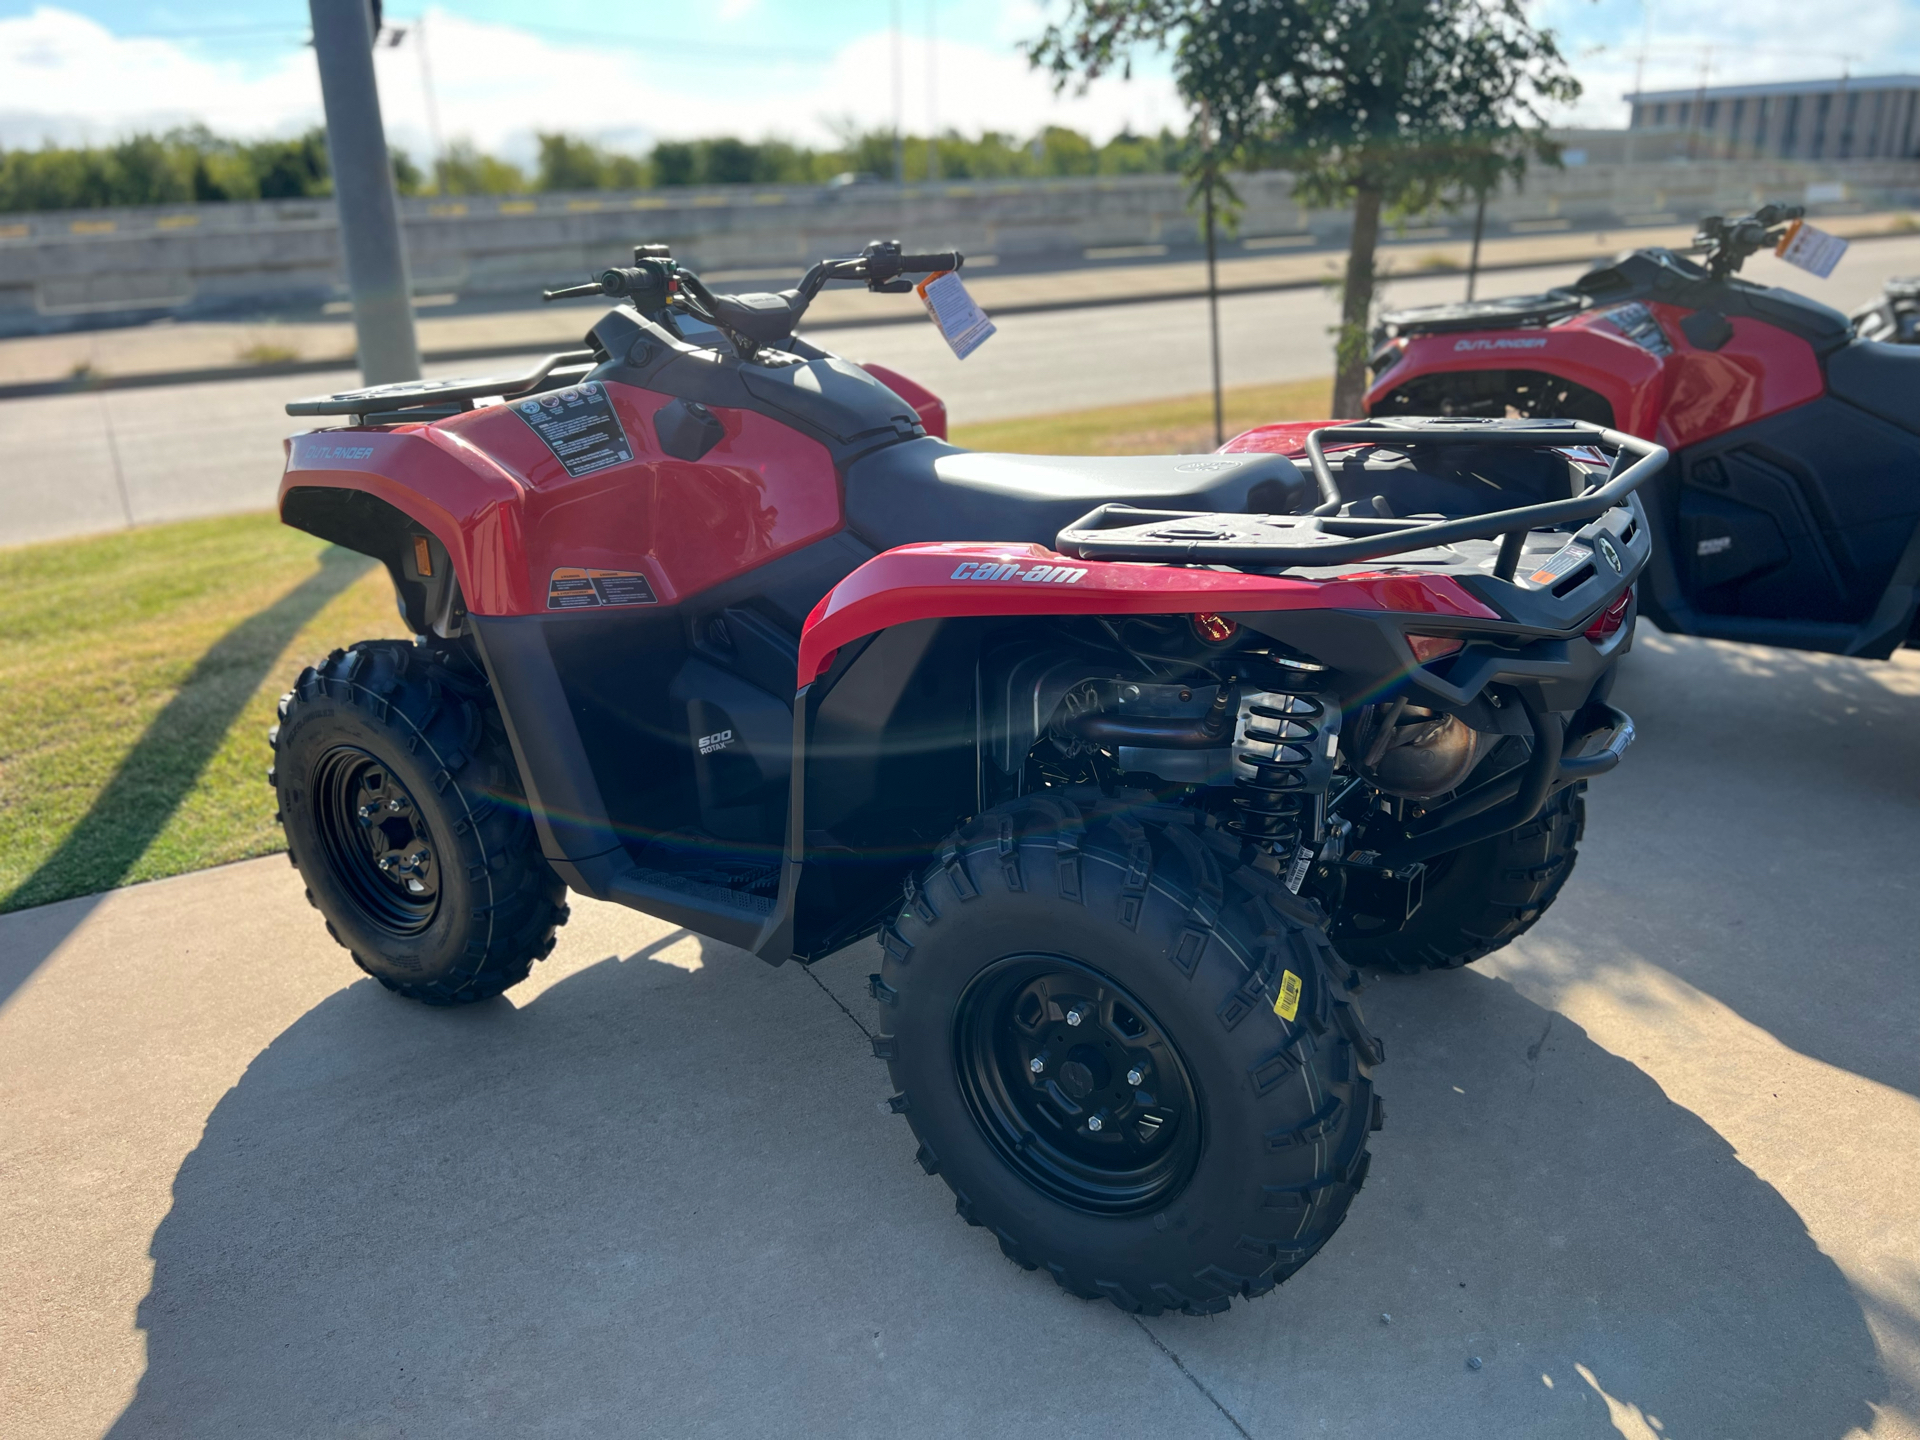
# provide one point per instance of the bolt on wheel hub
(377, 843)
(1076, 1085)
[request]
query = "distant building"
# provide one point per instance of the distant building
(1865, 117)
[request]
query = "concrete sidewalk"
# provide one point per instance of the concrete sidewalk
(1658, 1164)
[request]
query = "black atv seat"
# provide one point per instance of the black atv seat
(1881, 379)
(928, 490)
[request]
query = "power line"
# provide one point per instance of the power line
(672, 50)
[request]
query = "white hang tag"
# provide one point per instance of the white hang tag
(960, 320)
(1813, 250)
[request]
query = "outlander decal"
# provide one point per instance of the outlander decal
(1006, 570)
(571, 588)
(1467, 345)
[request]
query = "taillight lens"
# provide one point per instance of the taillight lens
(1612, 618)
(1214, 629)
(1429, 648)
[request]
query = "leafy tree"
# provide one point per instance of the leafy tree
(464, 170)
(1386, 104)
(284, 169)
(570, 163)
(675, 162)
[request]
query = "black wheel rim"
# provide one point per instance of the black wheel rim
(1076, 1085)
(376, 840)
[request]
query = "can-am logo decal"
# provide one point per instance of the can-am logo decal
(1608, 553)
(1538, 343)
(719, 740)
(996, 570)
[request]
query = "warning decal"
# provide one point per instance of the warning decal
(578, 426)
(1287, 1003)
(572, 588)
(1562, 562)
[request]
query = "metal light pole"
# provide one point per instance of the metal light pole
(363, 193)
(1479, 229)
(899, 100)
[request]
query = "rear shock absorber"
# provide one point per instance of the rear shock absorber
(1284, 749)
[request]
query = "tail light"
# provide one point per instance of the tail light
(1214, 629)
(1612, 618)
(1429, 648)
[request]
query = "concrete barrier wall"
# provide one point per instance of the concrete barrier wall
(83, 268)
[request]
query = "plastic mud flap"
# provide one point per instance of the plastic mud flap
(1605, 742)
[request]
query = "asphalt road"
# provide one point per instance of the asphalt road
(1657, 1164)
(76, 464)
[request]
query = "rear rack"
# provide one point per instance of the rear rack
(434, 399)
(1506, 313)
(1269, 542)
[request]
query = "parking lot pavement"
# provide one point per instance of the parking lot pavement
(1657, 1165)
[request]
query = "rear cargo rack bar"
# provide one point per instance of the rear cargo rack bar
(447, 396)
(1374, 539)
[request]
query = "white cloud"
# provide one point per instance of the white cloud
(64, 76)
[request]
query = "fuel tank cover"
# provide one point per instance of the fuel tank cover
(687, 429)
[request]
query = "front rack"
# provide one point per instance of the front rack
(1325, 538)
(433, 399)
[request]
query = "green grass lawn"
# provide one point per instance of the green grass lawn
(138, 675)
(1160, 427)
(139, 671)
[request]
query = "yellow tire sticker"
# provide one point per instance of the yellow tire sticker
(1287, 1004)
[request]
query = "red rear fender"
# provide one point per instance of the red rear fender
(923, 582)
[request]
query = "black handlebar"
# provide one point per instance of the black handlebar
(1729, 243)
(655, 280)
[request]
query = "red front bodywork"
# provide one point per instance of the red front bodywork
(1674, 400)
(509, 514)
(923, 582)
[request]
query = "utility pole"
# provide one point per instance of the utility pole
(363, 193)
(899, 100)
(933, 89)
(1479, 229)
(418, 34)
(1208, 176)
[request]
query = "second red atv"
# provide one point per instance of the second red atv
(1790, 514)
(1124, 760)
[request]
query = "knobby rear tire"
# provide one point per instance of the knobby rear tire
(1483, 896)
(1165, 910)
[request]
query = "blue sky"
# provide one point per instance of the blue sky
(796, 68)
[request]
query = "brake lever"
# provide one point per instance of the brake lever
(573, 292)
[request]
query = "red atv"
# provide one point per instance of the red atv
(1111, 754)
(1791, 515)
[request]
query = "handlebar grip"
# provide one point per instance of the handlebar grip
(944, 260)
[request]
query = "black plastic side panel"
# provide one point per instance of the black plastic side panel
(891, 765)
(828, 399)
(1798, 517)
(555, 769)
(1883, 380)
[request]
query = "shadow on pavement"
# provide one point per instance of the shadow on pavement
(1758, 842)
(165, 763)
(658, 1201)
